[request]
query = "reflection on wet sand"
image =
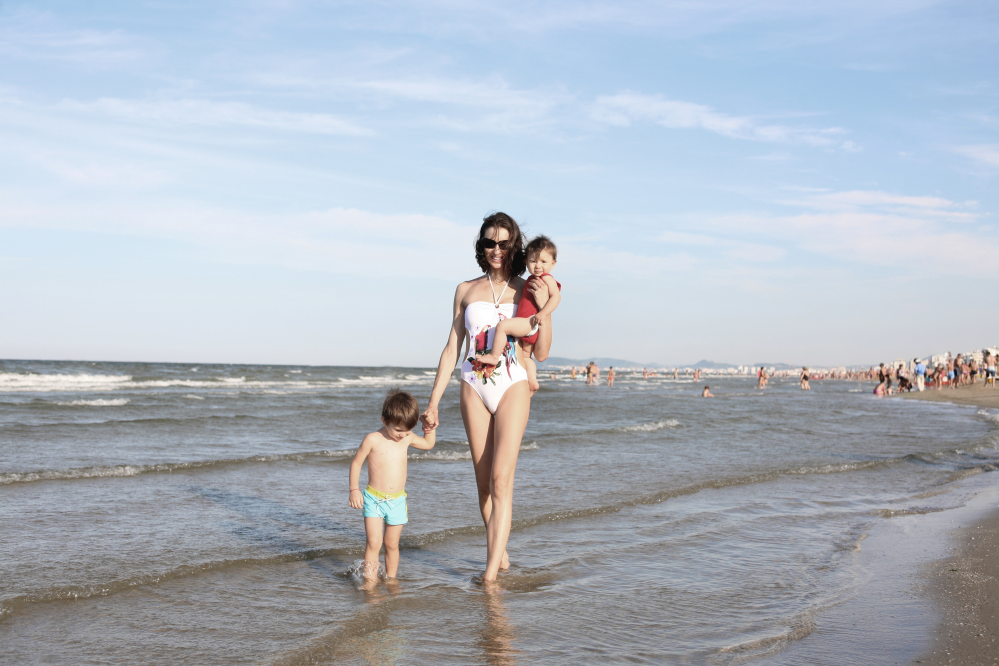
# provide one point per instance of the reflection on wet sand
(497, 635)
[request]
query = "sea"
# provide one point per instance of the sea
(170, 513)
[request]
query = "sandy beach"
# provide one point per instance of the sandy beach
(965, 586)
(978, 395)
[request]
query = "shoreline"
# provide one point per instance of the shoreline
(977, 395)
(965, 589)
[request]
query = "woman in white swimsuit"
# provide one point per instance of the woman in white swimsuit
(495, 400)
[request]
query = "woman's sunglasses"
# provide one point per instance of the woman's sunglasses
(489, 243)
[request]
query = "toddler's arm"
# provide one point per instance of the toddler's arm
(357, 501)
(427, 441)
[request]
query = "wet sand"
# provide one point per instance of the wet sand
(977, 395)
(965, 586)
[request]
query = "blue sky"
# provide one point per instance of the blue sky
(300, 182)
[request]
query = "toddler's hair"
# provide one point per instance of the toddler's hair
(401, 409)
(539, 243)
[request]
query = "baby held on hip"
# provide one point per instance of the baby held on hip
(541, 258)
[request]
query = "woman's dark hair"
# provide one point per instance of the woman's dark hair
(515, 260)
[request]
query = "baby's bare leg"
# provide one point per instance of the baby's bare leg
(530, 366)
(517, 327)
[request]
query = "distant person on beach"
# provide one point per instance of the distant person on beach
(990, 368)
(880, 389)
(762, 378)
(804, 380)
(591, 371)
(610, 376)
(706, 393)
(920, 374)
(384, 500)
(495, 399)
(541, 257)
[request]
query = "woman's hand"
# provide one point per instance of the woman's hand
(429, 418)
(540, 292)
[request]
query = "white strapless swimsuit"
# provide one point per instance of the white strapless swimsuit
(489, 381)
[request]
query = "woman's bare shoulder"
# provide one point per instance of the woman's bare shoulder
(464, 288)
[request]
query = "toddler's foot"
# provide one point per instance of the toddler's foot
(505, 562)
(488, 359)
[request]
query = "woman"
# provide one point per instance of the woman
(804, 380)
(495, 400)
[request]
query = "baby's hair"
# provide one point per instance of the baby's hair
(539, 243)
(400, 409)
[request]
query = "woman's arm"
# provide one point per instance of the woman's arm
(448, 357)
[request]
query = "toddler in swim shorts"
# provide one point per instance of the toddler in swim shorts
(384, 500)
(541, 258)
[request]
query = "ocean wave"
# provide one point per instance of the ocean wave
(461, 455)
(652, 427)
(18, 382)
(21, 383)
(124, 470)
(384, 380)
(106, 588)
(116, 402)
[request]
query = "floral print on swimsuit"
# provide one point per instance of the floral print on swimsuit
(483, 371)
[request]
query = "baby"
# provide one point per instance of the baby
(384, 500)
(541, 257)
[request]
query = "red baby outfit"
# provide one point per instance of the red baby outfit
(527, 308)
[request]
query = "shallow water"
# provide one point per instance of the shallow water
(170, 513)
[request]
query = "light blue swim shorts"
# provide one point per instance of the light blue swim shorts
(390, 507)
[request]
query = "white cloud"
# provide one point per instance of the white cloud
(985, 153)
(338, 240)
(36, 36)
(733, 248)
(879, 229)
(626, 107)
(217, 114)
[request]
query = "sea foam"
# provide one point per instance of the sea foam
(652, 427)
(116, 402)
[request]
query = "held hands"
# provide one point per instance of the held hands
(356, 501)
(429, 419)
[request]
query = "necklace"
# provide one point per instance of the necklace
(496, 301)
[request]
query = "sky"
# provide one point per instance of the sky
(301, 182)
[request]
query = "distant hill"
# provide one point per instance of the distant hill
(711, 365)
(554, 361)
(776, 366)
(561, 361)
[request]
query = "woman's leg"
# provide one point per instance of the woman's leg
(479, 429)
(508, 432)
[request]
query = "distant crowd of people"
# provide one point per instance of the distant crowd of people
(957, 370)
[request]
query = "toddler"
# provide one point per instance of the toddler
(384, 500)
